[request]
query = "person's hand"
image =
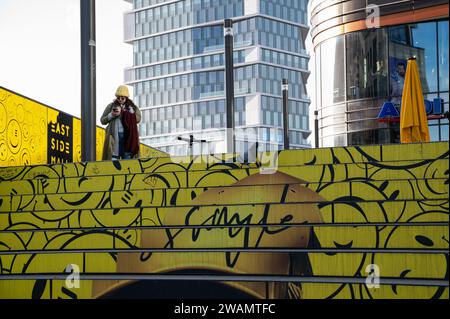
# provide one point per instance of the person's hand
(115, 111)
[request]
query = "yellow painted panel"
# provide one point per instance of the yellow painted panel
(23, 130)
(390, 184)
(359, 291)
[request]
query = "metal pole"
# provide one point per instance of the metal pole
(88, 78)
(316, 129)
(191, 140)
(392, 127)
(229, 84)
(285, 91)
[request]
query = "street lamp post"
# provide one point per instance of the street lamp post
(191, 140)
(316, 129)
(88, 77)
(285, 91)
(229, 85)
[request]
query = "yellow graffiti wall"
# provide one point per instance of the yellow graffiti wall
(367, 222)
(24, 126)
(23, 131)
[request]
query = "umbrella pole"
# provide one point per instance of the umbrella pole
(391, 132)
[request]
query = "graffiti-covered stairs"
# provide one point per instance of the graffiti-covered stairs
(351, 222)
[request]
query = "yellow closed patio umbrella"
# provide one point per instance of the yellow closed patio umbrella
(413, 118)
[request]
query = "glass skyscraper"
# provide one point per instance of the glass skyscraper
(179, 72)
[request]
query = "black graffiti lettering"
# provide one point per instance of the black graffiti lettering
(45, 184)
(221, 217)
(170, 243)
(39, 288)
(145, 256)
(68, 293)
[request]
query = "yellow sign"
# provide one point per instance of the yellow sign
(32, 133)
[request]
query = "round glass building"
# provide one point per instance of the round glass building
(361, 51)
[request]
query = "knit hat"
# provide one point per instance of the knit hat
(122, 91)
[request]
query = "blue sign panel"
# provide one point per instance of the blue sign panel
(388, 110)
(435, 107)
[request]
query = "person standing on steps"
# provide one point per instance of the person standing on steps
(122, 137)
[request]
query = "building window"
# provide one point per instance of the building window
(367, 69)
(443, 55)
(332, 64)
(412, 40)
(375, 67)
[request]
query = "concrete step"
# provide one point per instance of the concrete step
(408, 238)
(370, 213)
(219, 176)
(420, 153)
(238, 193)
(54, 286)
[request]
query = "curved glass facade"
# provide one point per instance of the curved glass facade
(357, 72)
(178, 72)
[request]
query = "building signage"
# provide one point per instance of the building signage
(60, 140)
(390, 112)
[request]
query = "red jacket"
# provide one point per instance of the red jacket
(131, 132)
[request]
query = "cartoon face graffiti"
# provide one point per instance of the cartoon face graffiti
(3, 118)
(26, 132)
(25, 158)
(221, 209)
(14, 136)
(3, 151)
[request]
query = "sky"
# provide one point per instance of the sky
(40, 51)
